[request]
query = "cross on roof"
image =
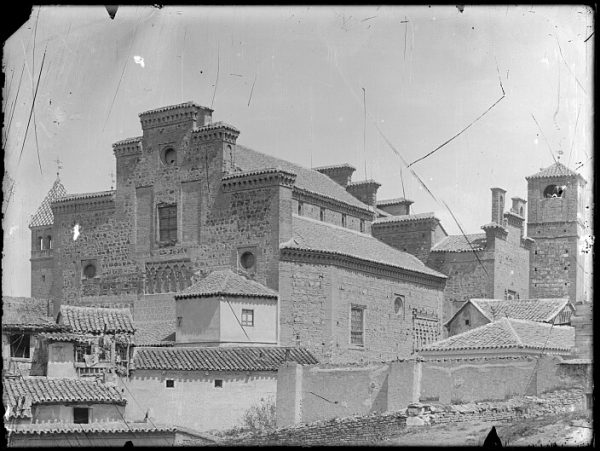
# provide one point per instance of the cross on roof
(58, 166)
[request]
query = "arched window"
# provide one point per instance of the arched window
(89, 271)
(169, 156)
(399, 305)
(552, 191)
(41, 243)
(49, 240)
(521, 211)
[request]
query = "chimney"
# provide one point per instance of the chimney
(189, 114)
(518, 206)
(365, 191)
(340, 174)
(498, 205)
(395, 207)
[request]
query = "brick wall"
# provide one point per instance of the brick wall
(416, 237)
(511, 266)
(315, 303)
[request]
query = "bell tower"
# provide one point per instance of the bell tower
(555, 222)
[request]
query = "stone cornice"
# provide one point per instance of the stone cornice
(304, 195)
(258, 179)
(356, 264)
(216, 131)
(130, 146)
(514, 219)
(92, 201)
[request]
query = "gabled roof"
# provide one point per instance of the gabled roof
(96, 319)
(307, 179)
(27, 314)
(542, 310)
(458, 243)
(506, 334)
(44, 390)
(556, 170)
(155, 333)
(43, 216)
(317, 236)
(226, 283)
(249, 358)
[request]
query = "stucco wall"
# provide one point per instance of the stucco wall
(64, 413)
(459, 322)
(61, 358)
(194, 401)
(79, 439)
(265, 320)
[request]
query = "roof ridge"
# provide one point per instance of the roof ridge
(507, 323)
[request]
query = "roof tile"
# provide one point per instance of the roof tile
(310, 234)
(543, 310)
(248, 358)
(226, 283)
(556, 170)
(458, 243)
(403, 218)
(43, 216)
(509, 333)
(91, 428)
(97, 319)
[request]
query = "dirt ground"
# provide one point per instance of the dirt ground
(572, 429)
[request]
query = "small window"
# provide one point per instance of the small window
(167, 223)
(521, 211)
(81, 415)
(399, 305)
(218, 383)
(49, 240)
(467, 322)
(19, 346)
(43, 278)
(511, 295)
(343, 220)
(179, 321)
(248, 317)
(41, 243)
(247, 260)
(552, 191)
(89, 271)
(170, 383)
(300, 208)
(357, 326)
(362, 225)
(322, 214)
(169, 156)
(81, 350)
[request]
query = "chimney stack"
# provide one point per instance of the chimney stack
(365, 191)
(395, 207)
(341, 173)
(498, 205)
(518, 206)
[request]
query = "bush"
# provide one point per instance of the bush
(260, 417)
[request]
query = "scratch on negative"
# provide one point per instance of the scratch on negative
(252, 89)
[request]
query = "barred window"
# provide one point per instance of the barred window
(357, 328)
(19, 346)
(247, 317)
(167, 223)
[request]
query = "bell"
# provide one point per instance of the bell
(112, 10)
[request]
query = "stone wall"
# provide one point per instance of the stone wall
(416, 237)
(315, 304)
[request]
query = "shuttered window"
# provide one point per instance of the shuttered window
(357, 326)
(167, 223)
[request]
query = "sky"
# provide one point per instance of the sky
(375, 87)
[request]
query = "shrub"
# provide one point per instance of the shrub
(260, 417)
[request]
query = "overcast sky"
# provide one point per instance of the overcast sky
(291, 79)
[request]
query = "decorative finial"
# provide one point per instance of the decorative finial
(112, 180)
(58, 167)
(559, 152)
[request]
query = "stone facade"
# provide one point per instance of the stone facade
(555, 222)
(188, 201)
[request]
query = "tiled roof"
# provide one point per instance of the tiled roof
(335, 166)
(68, 337)
(403, 218)
(397, 200)
(96, 319)
(154, 333)
(458, 243)
(307, 179)
(309, 234)
(128, 141)
(27, 314)
(544, 310)
(248, 358)
(509, 334)
(364, 182)
(43, 390)
(215, 125)
(226, 283)
(43, 216)
(81, 196)
(556, 170)
(91, 428)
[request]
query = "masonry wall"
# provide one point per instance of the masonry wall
(194, 401)
(315, 304)
(416, 237)
(467, 277)
(49, 413)
(511, 266)
(79, 439)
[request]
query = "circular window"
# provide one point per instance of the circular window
(169, 156)
(247, 260)
(89, 271)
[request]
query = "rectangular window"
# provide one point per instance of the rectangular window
(343, 220)
(167, 223)
(218, 383)
(170, 383)
(81, 415)
(362, 225)
(357, 326)
(81, 350)
(300, 208)
(19, 346)
(322, 214)
(179, 321)
(247, 317)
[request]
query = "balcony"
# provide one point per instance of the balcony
(44, 253)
